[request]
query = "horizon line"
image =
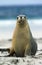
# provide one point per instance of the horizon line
(22, 5)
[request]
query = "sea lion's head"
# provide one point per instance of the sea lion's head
(21, 20)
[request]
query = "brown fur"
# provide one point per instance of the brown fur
(21, 41)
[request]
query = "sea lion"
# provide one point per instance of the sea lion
(22, 41)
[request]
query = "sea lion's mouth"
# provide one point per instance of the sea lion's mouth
(21, 22)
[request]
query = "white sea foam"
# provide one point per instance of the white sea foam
(11, 22)
(7, 22)
(36, 27)
(7, 27)
(37, 22)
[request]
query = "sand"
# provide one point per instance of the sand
(28, 60)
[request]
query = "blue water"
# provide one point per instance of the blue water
(11, 12)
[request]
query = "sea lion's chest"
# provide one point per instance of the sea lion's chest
(22, 35)
(20, 43)
(21, 38)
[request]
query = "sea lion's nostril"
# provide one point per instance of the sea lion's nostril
(19, 21)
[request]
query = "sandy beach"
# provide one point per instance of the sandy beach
(28, 60)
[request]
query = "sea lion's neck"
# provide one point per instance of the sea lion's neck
(22, 29)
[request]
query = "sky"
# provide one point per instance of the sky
(19, 2)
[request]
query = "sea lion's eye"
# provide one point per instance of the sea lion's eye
(21, 17)
(25, 17)
(17, 17)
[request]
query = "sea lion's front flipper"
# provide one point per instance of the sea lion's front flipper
(27, 50)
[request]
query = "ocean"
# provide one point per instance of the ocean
(11, 12)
